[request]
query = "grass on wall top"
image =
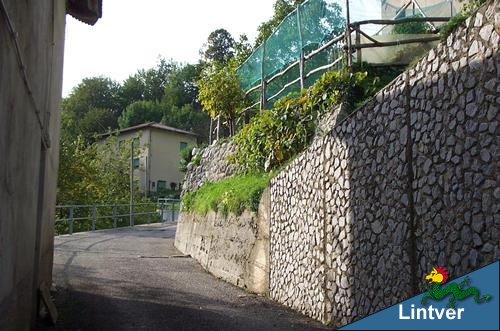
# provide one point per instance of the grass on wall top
(230, 195)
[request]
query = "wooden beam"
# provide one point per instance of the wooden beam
(399, 42)
(400, 21)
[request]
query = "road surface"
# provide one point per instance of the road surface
(134, 278)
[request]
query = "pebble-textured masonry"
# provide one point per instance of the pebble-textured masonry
(409, 181)
(213, 166)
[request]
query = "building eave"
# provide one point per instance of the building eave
(150, 125)
(86, 11)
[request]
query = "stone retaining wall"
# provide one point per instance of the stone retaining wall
(409, 181)
(213, 166)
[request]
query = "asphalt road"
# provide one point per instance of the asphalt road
(132, 279)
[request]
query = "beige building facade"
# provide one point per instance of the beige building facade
(157, 151)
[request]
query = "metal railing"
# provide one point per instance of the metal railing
(91, 217)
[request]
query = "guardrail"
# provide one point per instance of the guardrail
(91, 217)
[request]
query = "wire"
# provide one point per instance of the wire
(22, 69)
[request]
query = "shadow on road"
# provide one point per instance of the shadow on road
(130, 279)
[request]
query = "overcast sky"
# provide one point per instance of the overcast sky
(132, 34)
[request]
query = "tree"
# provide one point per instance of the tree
(220, 92)
(188, 117)
(242, 49)
(95, 92)
(155, 79)
(181, 88)
(146, 84)
(141, 112)
(92, 107)
(91, 172)
(281, 9)
(219, 47)
(131, 90)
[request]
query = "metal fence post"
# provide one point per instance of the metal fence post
(94, 216)
(70, 227)
(161, 213)
(149, 217)
(114, 216)
(132, 183)
(173, 212)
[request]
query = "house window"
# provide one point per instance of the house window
(135, 163)
(162, 185)
(183, 146)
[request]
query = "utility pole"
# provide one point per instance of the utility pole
(132, 182)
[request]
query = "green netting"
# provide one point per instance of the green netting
(398, 54)
(250, 72)
(282, 47)
(432, 8)
(320, 20)
(316, 22)
(399, 9)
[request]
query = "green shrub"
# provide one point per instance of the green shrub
(231, 195)
(185, 157)
(411, 27)
(467, 10)
(335, 87)
(275, 136)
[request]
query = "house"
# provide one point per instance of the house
(31, 64)
(157, 155)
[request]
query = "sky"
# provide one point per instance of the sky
(132, 34)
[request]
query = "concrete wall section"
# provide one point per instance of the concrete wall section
(28, 169)
(234, 248)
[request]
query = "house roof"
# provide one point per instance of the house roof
(87, 11)
(151, 125)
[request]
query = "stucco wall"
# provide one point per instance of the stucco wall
(165, 155)
(160, 156)
(28, 171)
(234, 248)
